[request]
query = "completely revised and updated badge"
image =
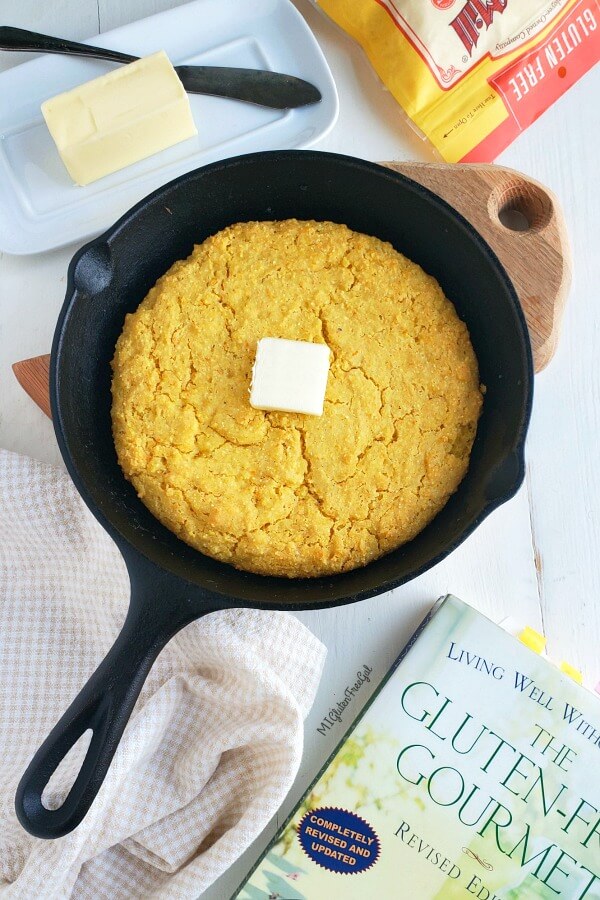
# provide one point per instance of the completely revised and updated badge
(338, 840)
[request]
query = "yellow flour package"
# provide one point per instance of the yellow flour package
(473, 75)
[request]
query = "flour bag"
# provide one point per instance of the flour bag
(471, 76)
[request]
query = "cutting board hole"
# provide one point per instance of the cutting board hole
(513, 219)
(521, 206)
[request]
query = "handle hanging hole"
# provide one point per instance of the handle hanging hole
(61, 781)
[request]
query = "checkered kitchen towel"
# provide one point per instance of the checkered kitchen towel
(214, 742)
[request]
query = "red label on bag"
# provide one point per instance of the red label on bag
(530, 84)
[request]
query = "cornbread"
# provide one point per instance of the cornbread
(283, 493)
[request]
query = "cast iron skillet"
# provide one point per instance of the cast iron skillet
(172, 584)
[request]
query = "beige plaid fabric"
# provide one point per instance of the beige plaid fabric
(214, 742)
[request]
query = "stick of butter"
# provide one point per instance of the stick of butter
(119, 118)
(290, 376)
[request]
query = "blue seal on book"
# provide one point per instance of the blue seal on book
(338, 840)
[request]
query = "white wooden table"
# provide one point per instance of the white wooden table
(538, 557)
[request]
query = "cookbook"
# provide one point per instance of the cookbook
(472, 773)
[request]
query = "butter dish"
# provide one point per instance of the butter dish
(41, 208)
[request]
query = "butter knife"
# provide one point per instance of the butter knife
(264, 88)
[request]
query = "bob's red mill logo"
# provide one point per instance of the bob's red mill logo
(473, 18)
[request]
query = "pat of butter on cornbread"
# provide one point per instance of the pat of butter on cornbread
(120, 118)
(290, 376)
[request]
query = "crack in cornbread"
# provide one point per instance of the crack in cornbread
(283, 493)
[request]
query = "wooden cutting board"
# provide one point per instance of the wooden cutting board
(536, 257)
(33, 376)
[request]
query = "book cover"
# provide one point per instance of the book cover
(472, 773)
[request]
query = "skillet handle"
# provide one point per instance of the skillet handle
(104, 705)
(523, 223)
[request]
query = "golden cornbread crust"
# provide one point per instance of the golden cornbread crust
(284, 493)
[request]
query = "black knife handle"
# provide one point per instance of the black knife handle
(270, 89)
(31, 41)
